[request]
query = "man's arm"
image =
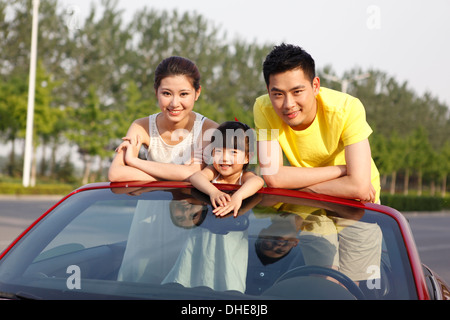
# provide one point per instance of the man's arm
(279, 176)
(356, 184)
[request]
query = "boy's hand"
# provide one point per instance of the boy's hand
(233, 205)
(219, 199)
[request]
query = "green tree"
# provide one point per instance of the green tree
(421, 154)
(44, 116)
(434, 116)
(13, 110)
(443, 161)
(132, 106)
(105, 67)
(380, 152)
(90, 130)
(15, 30)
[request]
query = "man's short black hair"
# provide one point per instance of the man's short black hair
(286, 57)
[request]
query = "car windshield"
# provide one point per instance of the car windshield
(167, 244)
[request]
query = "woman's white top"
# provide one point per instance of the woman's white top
(180, 153)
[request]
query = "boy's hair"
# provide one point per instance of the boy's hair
(286, 57)
(236, 135)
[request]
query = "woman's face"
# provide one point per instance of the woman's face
(176, 97)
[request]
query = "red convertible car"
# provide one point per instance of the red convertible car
(161, 241)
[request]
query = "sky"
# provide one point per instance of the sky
(407, 39)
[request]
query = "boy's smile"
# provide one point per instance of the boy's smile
(229, 163)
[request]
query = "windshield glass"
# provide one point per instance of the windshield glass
(167, 244)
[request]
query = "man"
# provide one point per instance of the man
(323, 133)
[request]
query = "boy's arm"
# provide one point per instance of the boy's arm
(201, 180)
(279, 176)
(251, 183)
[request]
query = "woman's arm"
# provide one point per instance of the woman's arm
(119, 171)
(126, 165)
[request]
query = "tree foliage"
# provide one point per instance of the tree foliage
(95, 77)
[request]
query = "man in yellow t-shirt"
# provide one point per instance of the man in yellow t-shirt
(323, 133)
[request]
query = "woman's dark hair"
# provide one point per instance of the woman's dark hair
(175, 66)
(236, 135)
(286, 57)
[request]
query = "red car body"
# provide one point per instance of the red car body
(422, 275)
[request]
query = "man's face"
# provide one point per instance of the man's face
(293, 97)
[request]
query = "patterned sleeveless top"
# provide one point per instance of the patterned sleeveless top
(239, 182)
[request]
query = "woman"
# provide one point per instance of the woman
(173, 137)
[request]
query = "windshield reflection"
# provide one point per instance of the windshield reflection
(155, 239)
(197, 248)
(212, 252)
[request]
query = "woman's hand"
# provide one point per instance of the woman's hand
(132, 146)
(123, 145)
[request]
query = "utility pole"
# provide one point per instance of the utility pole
(31, 90)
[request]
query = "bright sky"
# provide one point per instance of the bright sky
(407, 39)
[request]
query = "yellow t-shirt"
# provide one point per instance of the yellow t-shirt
(340, 121)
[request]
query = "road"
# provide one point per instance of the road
(432, 235)
(17, 213)
(431, 230)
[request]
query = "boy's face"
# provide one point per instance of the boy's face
(186, 213)
(293, 97)
(228, 161)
